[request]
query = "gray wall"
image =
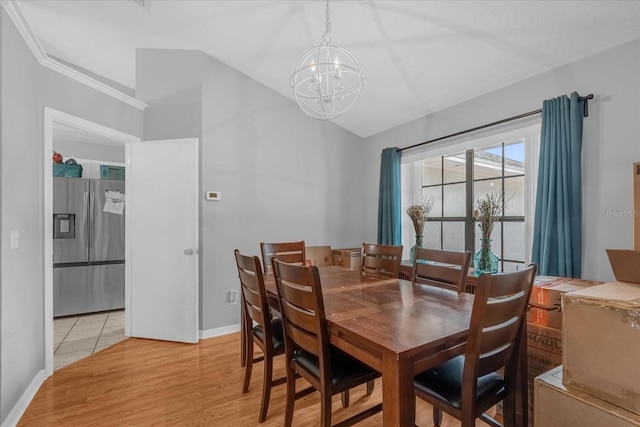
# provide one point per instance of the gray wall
(27, 88)
(87, 150)
(170, 82)
(282, 175)
(610, 142)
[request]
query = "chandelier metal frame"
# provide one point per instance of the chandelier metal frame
(328, 79)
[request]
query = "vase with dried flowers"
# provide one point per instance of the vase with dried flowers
(418, 214)
(487, 213)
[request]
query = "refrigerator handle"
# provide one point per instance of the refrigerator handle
(91, 215)
(85, 223)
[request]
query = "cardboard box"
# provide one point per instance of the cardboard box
(601, 341)
(544, 338)
(558, 406)
(350, 258)
(636, 206)
(546, 298)
(319, 255)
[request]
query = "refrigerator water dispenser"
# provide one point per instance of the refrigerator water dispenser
(64, 226)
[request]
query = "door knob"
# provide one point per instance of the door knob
(188, 251)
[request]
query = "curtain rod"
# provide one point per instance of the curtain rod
(519, 116)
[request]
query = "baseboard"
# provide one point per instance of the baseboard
(18, 409)
(216, 332)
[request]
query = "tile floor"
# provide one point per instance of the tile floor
(76, 337)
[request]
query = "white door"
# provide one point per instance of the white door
(162, 194)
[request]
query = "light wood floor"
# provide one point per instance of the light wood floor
(141, 382)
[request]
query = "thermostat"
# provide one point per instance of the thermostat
(214, 195)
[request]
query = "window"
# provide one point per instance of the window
(457, 178)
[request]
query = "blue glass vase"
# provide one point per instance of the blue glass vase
(414, 247)
(485, 261)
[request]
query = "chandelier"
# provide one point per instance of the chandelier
(328, 79)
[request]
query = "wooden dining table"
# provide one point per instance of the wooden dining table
(394, 326)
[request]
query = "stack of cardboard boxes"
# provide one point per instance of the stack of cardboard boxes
(598, 383)
(544, 326)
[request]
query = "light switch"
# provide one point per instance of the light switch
(15, 239)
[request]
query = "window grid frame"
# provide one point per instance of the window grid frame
(468, 220)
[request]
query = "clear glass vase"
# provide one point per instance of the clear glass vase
(485, 261)
(414, 247)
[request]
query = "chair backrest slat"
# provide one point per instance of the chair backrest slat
(449, 276)
(445, 269)
(494, 362)
(495, 338)
(503, 311)
(299, 296)
(303, 339)
(289, 252)
(381, 259)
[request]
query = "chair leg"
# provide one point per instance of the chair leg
(467, 420)
(291, 395)
(370, 386)
(344, 397)
(325, 407)
(266, 385)
(248, 366)
(437, 417)
(509, 410)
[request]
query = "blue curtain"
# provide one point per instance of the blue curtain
(389, 229)
(557, 235)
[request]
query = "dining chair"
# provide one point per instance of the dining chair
(267, 332)
(468, 385)
(381, 259)
(445, 269)
(308, 352)
(289, 252)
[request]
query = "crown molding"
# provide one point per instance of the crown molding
(11, 7)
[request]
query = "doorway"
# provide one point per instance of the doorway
(80, 131)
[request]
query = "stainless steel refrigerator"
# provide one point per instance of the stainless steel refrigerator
(88, 246)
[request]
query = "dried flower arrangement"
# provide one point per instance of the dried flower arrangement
(488, 211)
(419, 213)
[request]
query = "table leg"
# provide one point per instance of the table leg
(398, 399)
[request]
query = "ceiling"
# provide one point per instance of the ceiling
(418, 56)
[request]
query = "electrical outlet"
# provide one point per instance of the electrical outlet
(232, 297)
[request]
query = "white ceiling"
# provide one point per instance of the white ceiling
(418, 56)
